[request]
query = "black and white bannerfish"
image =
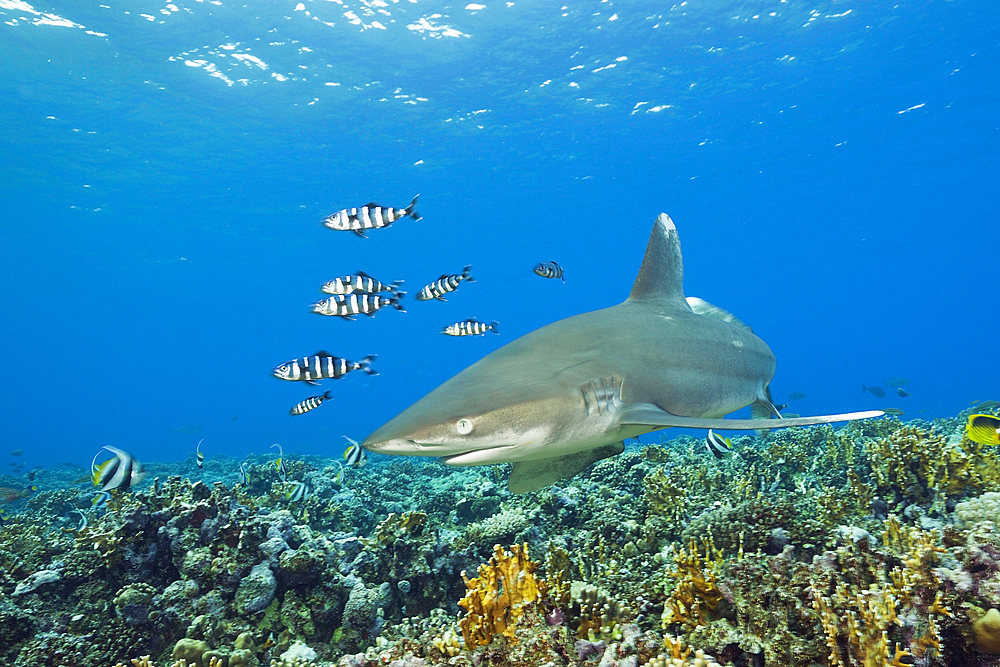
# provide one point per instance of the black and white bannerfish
(84, 522)
(446, 283)
(359, 282)
(299, 491)
(718, 445)
(244, 474)
(369, 216)
(355, 455)
(358, 303)
(199, 458)
(119, 472)
(550, 270)
(280, 463)
(321, 366)
(471, 327)
(310, 403)
(100, 500)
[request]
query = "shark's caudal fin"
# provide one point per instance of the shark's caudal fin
(652, 415)
(528, 476)
(661, 276)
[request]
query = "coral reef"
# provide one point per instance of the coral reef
(872, 544)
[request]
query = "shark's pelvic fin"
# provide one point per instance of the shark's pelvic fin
(661, 276)
(653, 415)
(530, 476)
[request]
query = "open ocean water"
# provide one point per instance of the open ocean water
(832, 168)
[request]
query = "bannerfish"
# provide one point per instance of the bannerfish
(9, 494)
(299, 491)
(244, 474)
(199, 458)
(902, 393)
(370, 216)
(877, 392)
(338, 478)
(350, 305)
(446, 283)
(550, 270)
(84, 522)
(984, 429)
(355, 455)
(321, 366)
(100, 500)
(310, 403)
(567, 395)
(718, 445)
(119, 472)
(471, 327)
(360, 282)
(280, 463)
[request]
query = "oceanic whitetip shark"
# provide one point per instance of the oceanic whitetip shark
(564, 396)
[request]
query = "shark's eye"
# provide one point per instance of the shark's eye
(463, 426)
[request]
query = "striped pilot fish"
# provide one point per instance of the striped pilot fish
(360, 282)
(310, 403)
(369, 216)
(718, 445)
(471, 327)
(119, 472)
(444, 284)
(321, 366)
(550, 270)
(350, 305)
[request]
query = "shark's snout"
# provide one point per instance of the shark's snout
(392, 445)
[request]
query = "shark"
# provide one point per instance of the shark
(568, 394)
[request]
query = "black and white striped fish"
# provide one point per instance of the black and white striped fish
(280, 463)
(360, 282)
(349, 305)
(471, 327)
(119, 472)
(321, 366)
(718, 445)
(446, 283)
(299, 491)
(244, 474)
(550, 270)
(310, 403)
(199, 458)
(369, 216)
(355, 455)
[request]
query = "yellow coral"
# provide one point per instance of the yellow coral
(696, 593)
(495, 599)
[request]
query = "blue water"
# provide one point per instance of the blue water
(832, 169)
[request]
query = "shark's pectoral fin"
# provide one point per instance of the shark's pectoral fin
(648, 414)
(530, 476)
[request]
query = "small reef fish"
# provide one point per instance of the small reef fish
(355, 455)
(9, 494)
(471, 327)
(84, 522)
(17, 452)
(244, 474)
(100, 500)
(895, 412)
(446, 283)
(796, 396)
(119, 472)
(902, 393)
(280, 463)
(321, 366)
(895, 382)
(310, 403)
(370, 216)
(299, 491)
(877, 392)
(199, 458)
(984, 429)
(350, 305)
(550, 270)
(338, 479)
(360, 282)
(718, 445)
(986, 405)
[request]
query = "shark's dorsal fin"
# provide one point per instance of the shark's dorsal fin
(537, 474)
(661, 276)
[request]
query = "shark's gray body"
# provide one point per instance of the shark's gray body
(566, 395)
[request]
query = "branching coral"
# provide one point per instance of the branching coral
(696, 593)
(496, 598)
